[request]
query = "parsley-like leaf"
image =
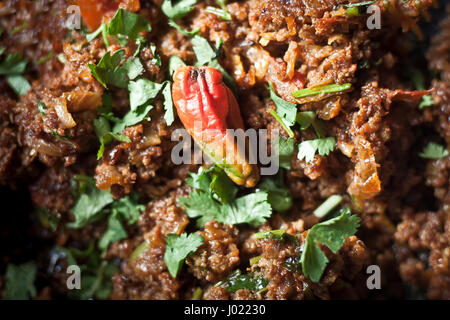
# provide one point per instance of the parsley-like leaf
(19, 281)
(108, 138)
(307, 149)
(279, 197)
(285, 149)
(169, 114)
(252, 209)
(178, 10)
(108, 70)
(141, 91)
(434, 151)
(237, 281)
(174, 63)
(19, 84)
(178, 248)
(285, 109)
(203, 50)
(127, 23)
(12, 67)
(89, 205)
(113, 233)
(332, 234)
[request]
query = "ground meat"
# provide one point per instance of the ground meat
(218, 256)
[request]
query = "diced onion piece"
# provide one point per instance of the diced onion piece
(63, 114)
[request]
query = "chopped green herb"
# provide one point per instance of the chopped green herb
(427, 101)
(19, 281)
(213, 198)
(307, 149)
(285, 109)
(272, 234)
(327, 206)
(184, 31)
(96, 274)
(329, 88)
(203, 50)
(285, 149)
(237, 281)
(174, 63)
(128, 24)
(178, 248)
(198, 294)
(279, 197)
(19, 84)
(47, 57)
(88, 207)
(12, 67)
(252, 209)
(108, 138)
(307, 118)
(179, 10)
(254, 260)
(142, 91)
(169, 114)
(20, 28)
(113, 233)
(41, 107)
(221, 13)
(108, 70)
(332, 234)
(103, 30)
(47, 218)
(434, 151)
(214, 181)
(57, 135)
(283, 123)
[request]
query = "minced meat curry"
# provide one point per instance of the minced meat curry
(351, 99)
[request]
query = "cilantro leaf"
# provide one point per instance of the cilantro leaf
(41, 108)
(214, 181)
(332, 234)
(133, 117)
(178, 248)
(12, 67)
(19, 84)
(285, 149)
(141, 91)
(19, 281)
(307, 149)
(108, 138)
(108, 70)
(221, 13)
(96, 274)
(252, 208)
(279, 197)
(128, 208)
(182, 30)
(114, 232)
(237, 281)
(169, 115)
(89, 205)
(203, 50)
(427, 101)
(127, 23)
(434, 151)
(307, 118)
(285, 109)
(174, 63)
(179, 10)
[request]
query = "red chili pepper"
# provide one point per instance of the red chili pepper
(207, 108)
(93, 11)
